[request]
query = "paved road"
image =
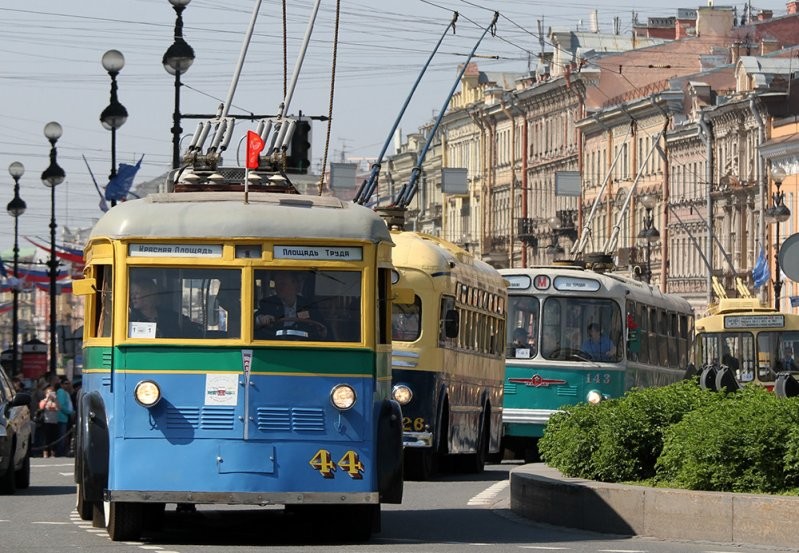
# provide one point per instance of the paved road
(454, 514)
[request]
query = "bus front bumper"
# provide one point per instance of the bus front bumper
(527, 416)
(417, 439)
(244, 498)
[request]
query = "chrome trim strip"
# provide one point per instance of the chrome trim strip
(527, 416)
(417, 439)
(245, 498)
(402, 353)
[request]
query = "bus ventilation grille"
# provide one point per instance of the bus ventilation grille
(287, 419)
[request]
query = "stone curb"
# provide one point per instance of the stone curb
(541, 493)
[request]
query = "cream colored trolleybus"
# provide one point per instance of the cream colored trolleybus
(447, 358)
(195, 390)
(744, 341)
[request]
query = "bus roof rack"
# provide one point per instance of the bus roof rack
(730, 305)
(222, 179)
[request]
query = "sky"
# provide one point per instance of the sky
(50, 70)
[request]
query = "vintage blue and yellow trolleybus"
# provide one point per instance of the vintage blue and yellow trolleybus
(196, 391)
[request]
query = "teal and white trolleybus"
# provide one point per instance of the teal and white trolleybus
(579, 335)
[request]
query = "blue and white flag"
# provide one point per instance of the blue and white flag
(794, 301)
(761, 272)
(119, 186)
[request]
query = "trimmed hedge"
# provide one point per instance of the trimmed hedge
(680, 436)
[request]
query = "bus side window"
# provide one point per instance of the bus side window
(104, 300)
(447, 309)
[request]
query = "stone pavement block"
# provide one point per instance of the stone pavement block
(765, 520)
(688, 515)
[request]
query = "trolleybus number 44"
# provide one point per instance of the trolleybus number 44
(349, 463)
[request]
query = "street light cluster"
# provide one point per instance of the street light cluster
(177, 60)
(776, 214)
(648, 234)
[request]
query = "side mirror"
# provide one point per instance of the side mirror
(402, 295)
(786, 385)
(451, 324)
(84, 287)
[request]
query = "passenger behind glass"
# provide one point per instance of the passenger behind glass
(151, 317)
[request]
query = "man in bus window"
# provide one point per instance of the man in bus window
(151, 317)
(597, 345)
(522, 345)
(788, 362)
(287, 313)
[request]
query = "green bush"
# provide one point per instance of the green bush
(746, 443)
(621, 439)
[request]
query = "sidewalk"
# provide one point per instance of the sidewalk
(541, 493)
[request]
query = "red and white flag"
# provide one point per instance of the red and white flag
(255, 144)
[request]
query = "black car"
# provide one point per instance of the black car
(16, 435)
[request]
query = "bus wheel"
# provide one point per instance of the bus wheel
(153, 515)
(125, 521)
(475, 462)
(84, 508)
(420, 464)
(531, 452)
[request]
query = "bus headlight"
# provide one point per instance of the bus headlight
(147, 393)
(342, 396)
(402, 394)
(594, 396)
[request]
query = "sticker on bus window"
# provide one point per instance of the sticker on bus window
(141, 329)
(221, 389)
(522, 353)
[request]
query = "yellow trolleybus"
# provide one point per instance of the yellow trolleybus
(448, 363)
(742, 340)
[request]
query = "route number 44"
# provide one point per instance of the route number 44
(350, 463)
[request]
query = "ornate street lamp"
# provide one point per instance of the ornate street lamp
(115, 115)
(777, 214)
(555, 225)
(177, 60)
(649, 234)
(52, 177)
(16, 207)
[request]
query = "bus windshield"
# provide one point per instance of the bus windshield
(776, 351)
(184, 303)
(522, 326)
(581, 329)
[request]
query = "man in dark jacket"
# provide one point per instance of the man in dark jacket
(287, 314)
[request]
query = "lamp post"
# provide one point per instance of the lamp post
(16, 207)
(115, 115)
(555, 225)
(177, 60)
(52, 177)
(777, 214)
(649, 234)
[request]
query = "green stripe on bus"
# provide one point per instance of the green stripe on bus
(278, 360)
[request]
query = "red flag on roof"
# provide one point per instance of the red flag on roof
(255, 144)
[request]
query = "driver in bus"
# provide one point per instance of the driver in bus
(787, 360)
(287, 310)
(597, 345)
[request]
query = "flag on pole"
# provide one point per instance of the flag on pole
(255, 144)
(119, 186)
(760, 272)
